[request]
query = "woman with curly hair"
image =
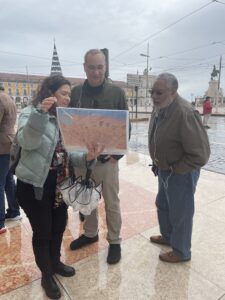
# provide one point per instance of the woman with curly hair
(44, 162)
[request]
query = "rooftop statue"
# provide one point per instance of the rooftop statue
(214, 73)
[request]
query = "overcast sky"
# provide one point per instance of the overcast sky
(185, 37)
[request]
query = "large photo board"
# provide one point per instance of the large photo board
(81, 126)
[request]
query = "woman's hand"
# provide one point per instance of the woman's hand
(94, 150)
(47, 103)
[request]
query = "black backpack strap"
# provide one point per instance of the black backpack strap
(79, 100)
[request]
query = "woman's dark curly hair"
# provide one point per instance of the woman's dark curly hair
(48, 87)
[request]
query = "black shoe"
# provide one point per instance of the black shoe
(83, 241)
(50, 286)
(64, 270)
(114, 254)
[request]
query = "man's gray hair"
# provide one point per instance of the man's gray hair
(92, 52)
(170, 79)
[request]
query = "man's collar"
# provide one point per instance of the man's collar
(165, 111)
(92, 90)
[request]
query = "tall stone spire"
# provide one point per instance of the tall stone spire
(55, 68)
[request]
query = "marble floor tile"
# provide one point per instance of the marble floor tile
(16, 259)
(151, 231)
(211, 187)
(17, 263)
(138, 207)
(208, 249)
(138, 172)
(10, 223)
(138, 214)
(32, 291)
(215, 209)
(139, 275)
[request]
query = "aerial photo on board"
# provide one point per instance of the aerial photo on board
(80, 127)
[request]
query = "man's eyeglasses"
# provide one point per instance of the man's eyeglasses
(157, 92)
(94, 68)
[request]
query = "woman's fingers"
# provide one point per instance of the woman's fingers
(100, 148)
(47, 103)
(94, 150)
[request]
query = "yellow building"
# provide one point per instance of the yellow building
(22, 88)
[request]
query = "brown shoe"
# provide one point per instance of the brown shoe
(158, 239)
(171, 257)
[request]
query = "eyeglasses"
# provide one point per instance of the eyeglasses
(157, 92)
(94, 68)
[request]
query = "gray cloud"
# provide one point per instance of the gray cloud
(28, 27)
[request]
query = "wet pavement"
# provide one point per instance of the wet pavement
(216, 133)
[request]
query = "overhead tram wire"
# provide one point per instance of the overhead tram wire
(167, 56)
(22, 54)
(220, 2)
(185, 67)
(38, 57)
(164, 29)
(194, 65)
(191, 49)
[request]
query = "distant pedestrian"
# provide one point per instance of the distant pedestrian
(194, 106)
(7, 182)
(207, 110)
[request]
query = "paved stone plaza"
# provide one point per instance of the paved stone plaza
(139, 142)
(140, 275)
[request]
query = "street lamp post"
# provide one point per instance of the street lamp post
(147, 57)
(136, 100)
(218, 92)
(28, 86)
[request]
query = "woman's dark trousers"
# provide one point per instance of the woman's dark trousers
(48, 223)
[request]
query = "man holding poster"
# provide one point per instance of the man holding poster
(97, 93)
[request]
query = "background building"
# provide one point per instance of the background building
(140, 87)
(22, 88)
